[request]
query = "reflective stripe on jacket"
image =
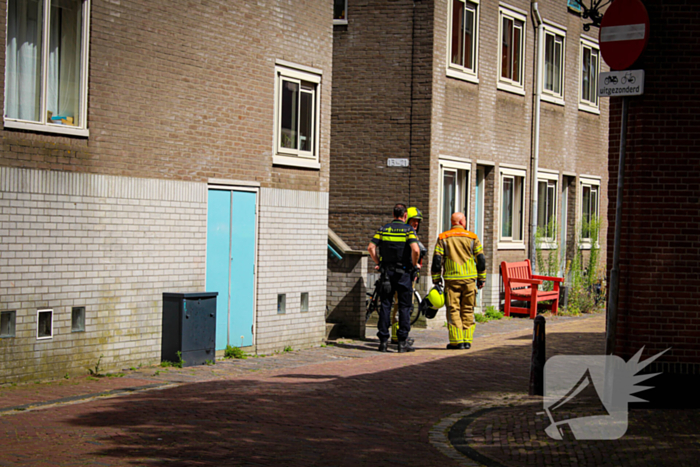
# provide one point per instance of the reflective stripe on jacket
(459, 249)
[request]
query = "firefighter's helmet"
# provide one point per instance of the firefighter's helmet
(433, 302)
(414, 213)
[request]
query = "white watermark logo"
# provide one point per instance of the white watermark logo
(589, 394)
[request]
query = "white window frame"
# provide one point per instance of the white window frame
(286, 71)
(455, 70)
(344, 20)
(509, 243)
(585, 243)
(583, 104)
(462, 171)
(38, 312)
(507, 84)
(559, 35)
(552, 180)
(43, 125)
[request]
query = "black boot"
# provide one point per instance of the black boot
(456, 346)
(383, 346)
(467, 345)
(404, 346)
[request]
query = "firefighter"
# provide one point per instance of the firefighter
(394, 248)
(460, 260)
(414, 219)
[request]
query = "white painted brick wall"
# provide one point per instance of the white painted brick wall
(292, 250)
(110, 244)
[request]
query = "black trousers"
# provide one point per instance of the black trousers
(401, 285)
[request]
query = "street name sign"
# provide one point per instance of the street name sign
(393, 162)
(624, 32)
(621, 83)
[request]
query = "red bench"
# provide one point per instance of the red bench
(520, 284)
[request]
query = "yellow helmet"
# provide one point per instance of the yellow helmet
(432, 302)
(414, 213)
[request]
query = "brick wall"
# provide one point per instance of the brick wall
(347, 294)
(110, 244)
(184, 90)
(660, 250)
(291, 261)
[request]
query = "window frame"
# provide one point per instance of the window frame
(43, 126)
(503, 83)
(583, 104)
(12, 324)
(289, 72)
(586, 182)
(462, 171)
(341, 21)
(38, 313)
(552, 181)
(460, 71)
(505, 242)
(550, 95)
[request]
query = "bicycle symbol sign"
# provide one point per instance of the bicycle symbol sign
(621, 83)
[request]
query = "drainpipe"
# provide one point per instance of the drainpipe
(539, 44)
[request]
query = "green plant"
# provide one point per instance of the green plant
(234, 352)
(97, 371)
(288, 348)
(208, 362)
(586, 285)
(66, 376)
(492, 313)
(156, 373)
(178, 364)
(547, 263)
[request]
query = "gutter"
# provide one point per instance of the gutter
(539, 44)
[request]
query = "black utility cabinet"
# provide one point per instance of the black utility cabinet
(189, 326)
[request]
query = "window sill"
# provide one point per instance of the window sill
(585, 245)
(548, 245)
(510, 88)
(462, 75)
(340, 22)
(55, 129)
(552, 99)
(291, 161)
(588, 108)
(510, 246)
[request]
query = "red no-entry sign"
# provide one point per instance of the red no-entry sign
(624, 32)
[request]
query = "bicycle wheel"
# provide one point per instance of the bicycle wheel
(415, 310)
(372, 303)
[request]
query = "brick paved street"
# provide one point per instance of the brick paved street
(342, 405)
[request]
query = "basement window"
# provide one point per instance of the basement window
(7, 323)
(78, 319)
(304, 306)
(281, 304)
(44, 328)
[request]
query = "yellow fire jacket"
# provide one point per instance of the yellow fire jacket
(458, 248)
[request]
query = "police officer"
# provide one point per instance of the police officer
(394, 248)
(460, 259)
(414, 219)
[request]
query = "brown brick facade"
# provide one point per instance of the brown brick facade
(182, 90)
(660, 246)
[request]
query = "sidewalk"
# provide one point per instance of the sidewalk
(344, 404)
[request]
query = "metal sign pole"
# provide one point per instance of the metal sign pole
(611, 331)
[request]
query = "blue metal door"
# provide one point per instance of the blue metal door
(231, 264)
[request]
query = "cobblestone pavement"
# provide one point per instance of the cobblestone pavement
(343, 405)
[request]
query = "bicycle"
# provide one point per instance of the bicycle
(373, 303)
(628, 78)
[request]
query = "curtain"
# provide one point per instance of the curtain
(63, 84)
(23, 60)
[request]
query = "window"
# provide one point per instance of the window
(590, 63)
(78, 319)
(553, 82)
(573, 5)
(46, 65)
(304, 304)
(454, 191)
(44, 328)
(512, 202)
(297, 116)
(512, 34)
(547, 207)
(281, 304)
(340, 9)
(7, 323)
(463, 33)
(590, 199)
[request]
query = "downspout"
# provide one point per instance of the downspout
(536, 136)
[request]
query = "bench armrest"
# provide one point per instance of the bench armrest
(526, 281)
(548, 278)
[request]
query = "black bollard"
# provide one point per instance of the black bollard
(538, 358)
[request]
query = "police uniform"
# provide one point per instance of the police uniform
(394, 243)
(459, 258)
